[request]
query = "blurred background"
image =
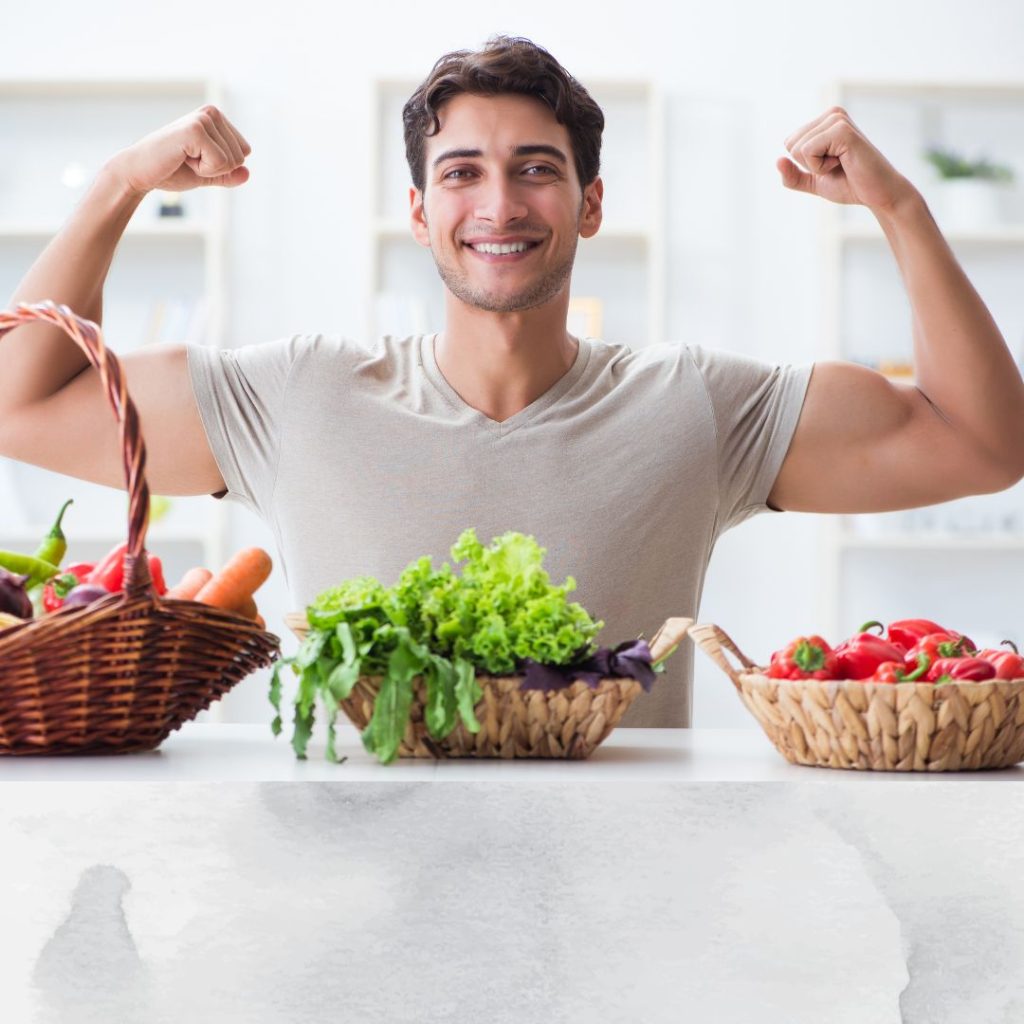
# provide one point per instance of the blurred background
(701, 243)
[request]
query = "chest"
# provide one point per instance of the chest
(592, 492)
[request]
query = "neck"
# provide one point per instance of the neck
(499, 363)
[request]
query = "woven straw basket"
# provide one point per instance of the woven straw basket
(899, 727)
(118, 675)
(569, 723)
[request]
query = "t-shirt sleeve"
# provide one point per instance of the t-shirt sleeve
(241, 395)
(756, 406)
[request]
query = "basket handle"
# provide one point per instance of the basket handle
(714, 641)
(669, 635)
(89, 338)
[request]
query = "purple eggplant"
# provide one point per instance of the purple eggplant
(13, 596)
(83, 594)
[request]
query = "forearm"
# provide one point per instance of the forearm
(961, 362)
(39, 359)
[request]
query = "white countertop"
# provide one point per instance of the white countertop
(209, 752)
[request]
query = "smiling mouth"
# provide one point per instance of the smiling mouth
(494, 254)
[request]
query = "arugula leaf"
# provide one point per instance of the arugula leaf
(441, 709)
(467, 693)
(390, 716)
(311, 648)
(275, 692)
(342, 680)
(303, 730)
(343, 631)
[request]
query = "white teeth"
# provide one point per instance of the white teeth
(500, 250)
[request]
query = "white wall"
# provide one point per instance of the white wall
(738, 77)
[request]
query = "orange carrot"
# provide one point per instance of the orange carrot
(247, 608)
(190, 584)
(261, 622)
(244, 574)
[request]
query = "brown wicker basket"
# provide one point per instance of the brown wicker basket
(121, 674)
(569, 723)
(897, 727)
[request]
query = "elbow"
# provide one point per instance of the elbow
(1015, 463)
(1016, 476)
(1008, 473)
(998, 468)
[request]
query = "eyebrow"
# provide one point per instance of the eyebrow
(530, 149)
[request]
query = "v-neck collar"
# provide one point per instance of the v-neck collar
(428, 360)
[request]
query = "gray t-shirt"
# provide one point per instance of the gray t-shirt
(626, 470)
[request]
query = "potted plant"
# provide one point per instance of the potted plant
(971, 191)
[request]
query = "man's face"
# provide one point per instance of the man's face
(500, 172)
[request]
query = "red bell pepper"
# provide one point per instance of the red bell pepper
(807, 657)
(864, 652)
(57, 589)
(156, 572)
(908, 632)
(1009, 664)
(109, 571)
(897, 671)
(974, 670)
(939, 645)
(60, 586)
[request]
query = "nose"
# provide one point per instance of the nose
(498, 201)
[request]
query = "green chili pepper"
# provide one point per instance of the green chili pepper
(54, 545)
(35, 569)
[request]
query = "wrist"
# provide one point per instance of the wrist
(906, 207)
(114, 181)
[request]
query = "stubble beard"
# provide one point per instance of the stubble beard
(535, 294)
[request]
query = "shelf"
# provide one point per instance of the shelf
(920, 90)
(79, 87)
(1009, 234)
(937, 539)
(892, 378)
(30, 537)
(176, 230)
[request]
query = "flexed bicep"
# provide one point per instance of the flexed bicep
(75, 430)
(866, 444)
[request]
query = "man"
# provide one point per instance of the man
(627, 466)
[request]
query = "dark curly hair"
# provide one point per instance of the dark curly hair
(506, 64)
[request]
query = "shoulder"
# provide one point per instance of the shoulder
(620, 364)
(730, 373)
(336, 354)
(626, 358)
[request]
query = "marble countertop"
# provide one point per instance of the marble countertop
(212, 752)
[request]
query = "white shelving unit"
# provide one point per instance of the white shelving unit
(166, 283)
(955, 562)
(623, 265)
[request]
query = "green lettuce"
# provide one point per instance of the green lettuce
(438, 625)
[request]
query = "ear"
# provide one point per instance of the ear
(590, 219)
(417, 218)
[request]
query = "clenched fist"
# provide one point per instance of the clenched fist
(832, 159)
(201, 148)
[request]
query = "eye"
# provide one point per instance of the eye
(457, 170)
(541, 167)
